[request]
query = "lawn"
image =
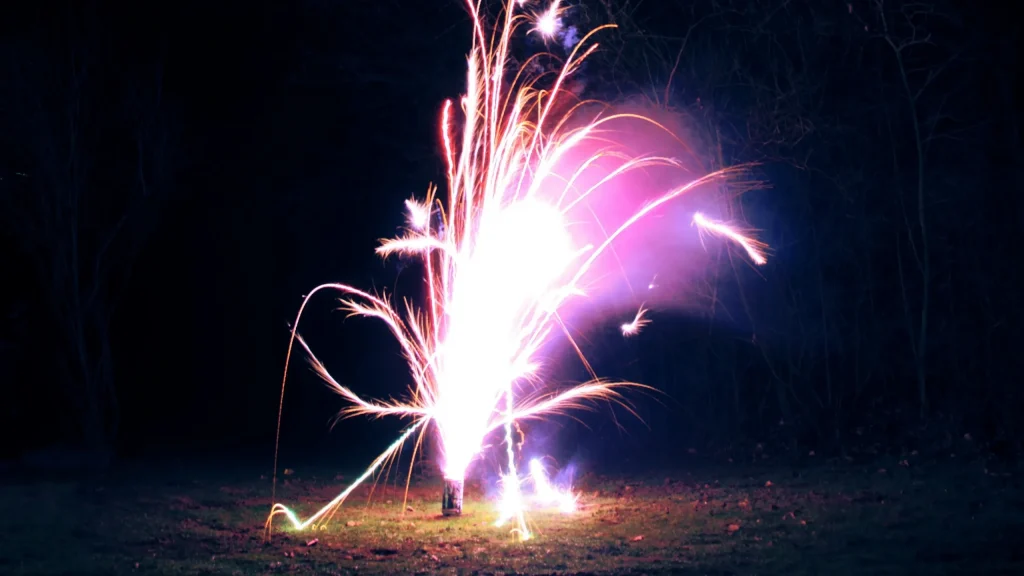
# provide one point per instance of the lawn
(883, 517)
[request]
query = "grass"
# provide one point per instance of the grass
(882, 518)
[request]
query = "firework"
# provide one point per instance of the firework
(500, 261)
(451, 499)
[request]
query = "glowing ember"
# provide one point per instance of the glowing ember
(500, 261)
(633, 327)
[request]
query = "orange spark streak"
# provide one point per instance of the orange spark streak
(753, 248)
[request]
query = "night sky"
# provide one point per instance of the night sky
(278, 140)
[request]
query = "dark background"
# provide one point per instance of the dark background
(176, 175)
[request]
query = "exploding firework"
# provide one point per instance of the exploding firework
(501, 259)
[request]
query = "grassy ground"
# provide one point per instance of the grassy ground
(883, 518)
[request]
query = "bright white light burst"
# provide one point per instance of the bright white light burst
(549, 22)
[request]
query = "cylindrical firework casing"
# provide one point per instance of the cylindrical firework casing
(451, 501)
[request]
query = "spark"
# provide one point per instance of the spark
(755, 250)
(340, 498)
(549, 22)
(419, 214)
(544, 495)
(500, 265)
(546, 492)
(632, 328)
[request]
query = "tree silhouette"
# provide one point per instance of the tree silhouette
(91, 145)
(869, 122)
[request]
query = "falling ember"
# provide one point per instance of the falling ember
(632, 328)
(753, 248)
(500, 262)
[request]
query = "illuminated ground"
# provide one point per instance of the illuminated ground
(885, 517)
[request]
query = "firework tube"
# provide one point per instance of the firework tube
(451, 500)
